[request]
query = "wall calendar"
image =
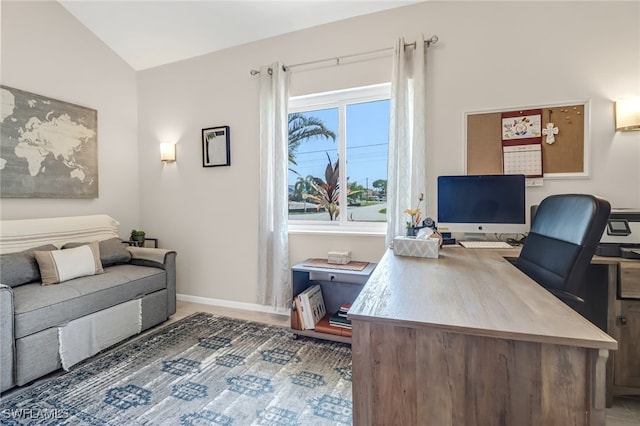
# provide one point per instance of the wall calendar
(522, 142)
(523, 159)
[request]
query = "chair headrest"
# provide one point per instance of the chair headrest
(568, 217)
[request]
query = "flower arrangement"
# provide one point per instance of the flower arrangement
(415, 213)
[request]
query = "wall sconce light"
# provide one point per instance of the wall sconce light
(167, 152)
(627, 114)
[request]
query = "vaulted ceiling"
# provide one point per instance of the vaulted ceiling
(150, 33)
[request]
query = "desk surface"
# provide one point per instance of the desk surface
(476, 292)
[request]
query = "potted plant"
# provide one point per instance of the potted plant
(137, 237)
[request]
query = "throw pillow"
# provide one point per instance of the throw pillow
(21, 267)
(63, 265)
(112, 251)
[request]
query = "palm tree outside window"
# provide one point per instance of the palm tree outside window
(338, 145)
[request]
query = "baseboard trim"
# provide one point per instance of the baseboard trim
(231, 304)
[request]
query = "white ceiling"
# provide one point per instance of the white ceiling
(149, 33)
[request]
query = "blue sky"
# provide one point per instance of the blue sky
(367, 141)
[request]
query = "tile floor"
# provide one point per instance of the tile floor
(624, 412)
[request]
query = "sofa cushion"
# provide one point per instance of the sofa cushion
(63, 265)
(39, 307)
(112, 251)
(21, 267)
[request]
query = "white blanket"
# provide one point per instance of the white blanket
(21, 234)
(86, 336)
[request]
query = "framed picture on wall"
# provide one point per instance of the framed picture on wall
(216, 147)
(48, 147)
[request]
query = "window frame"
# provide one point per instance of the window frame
(339, 99)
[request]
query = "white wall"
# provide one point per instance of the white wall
(490, 55)
(45, 50)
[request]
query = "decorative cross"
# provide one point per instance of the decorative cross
(550, 131)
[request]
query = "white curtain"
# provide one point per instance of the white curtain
(407, 136)
(273, 247)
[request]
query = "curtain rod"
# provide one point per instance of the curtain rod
(432, 40)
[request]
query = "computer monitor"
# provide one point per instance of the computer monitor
(482, 204)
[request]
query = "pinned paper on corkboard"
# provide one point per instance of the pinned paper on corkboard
(567, 156)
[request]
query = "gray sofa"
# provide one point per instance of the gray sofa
(47, 327)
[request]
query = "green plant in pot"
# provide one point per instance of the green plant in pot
(137, 236)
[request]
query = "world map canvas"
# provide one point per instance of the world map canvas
(48, 148)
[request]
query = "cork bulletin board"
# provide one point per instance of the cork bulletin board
(566, 156)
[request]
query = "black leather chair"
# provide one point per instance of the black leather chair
(564, 235)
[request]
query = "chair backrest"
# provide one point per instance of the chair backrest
(564, 235)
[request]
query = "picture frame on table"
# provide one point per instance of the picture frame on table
(216, 147)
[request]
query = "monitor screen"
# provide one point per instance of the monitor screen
(482, 203)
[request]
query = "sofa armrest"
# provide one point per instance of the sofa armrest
(150, 256)
(7, 346)
(159, 258)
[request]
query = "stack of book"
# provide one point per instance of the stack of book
(310, 308)
(339, 319)
(336, 323)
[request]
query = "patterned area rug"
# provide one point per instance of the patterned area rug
(201, 370)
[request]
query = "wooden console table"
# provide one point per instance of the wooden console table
(469, 339)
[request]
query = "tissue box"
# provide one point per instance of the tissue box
(408, 246)
(339, 257)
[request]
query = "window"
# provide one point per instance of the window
(339, 140)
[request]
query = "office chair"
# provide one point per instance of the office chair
(564, 235)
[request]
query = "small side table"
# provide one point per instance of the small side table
(339, 286)
(142, 243)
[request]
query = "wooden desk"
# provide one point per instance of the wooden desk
(467, 339)
(615, 284)
(612, 302)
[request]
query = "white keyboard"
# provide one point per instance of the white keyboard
(485, 244)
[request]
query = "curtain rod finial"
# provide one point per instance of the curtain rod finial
(254, 72)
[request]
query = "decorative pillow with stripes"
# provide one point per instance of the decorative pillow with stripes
(63, 265)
